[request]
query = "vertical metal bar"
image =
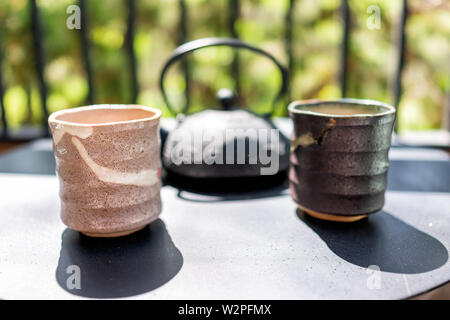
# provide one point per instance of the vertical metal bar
(446, 114)
(129, 47)
(183, 38)
(288, 42)
(234, 12)
(445, 124)
(39, 62)
(4, 134)
(400, 42)
(345, 16)
(85, 50)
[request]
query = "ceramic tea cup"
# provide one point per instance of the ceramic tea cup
(108, 165)
(339, 157)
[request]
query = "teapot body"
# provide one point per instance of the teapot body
(225, 144)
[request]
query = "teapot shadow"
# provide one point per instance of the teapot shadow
(226, 186)
(209, 190)
(118, 267)
(381, 240)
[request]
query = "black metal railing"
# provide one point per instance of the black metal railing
(39, 58)
(233, 15)
(85, 50)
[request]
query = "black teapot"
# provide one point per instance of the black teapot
(227, 142)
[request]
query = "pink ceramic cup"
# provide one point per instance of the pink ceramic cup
(108, 165)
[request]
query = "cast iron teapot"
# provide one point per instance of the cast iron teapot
(227, 142)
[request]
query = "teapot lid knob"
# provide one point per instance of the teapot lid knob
(226, 98)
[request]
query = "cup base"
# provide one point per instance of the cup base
(331, 217)
(114, 234)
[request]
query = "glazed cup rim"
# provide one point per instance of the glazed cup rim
(292, 107)
(156, 114)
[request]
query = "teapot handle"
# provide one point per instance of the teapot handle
(194, 45)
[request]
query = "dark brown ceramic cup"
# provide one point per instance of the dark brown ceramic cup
(339, 157)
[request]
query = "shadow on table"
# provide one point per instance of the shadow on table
(381, 240)
(118, 267)
(228, 189)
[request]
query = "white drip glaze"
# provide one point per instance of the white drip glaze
(81, 132)
(141, 178)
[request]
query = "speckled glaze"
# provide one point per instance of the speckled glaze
(339, 163)
(109, 172)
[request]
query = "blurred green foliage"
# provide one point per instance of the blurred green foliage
(317, 35)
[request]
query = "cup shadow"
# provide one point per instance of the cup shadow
(381, 240)
(118, 267)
